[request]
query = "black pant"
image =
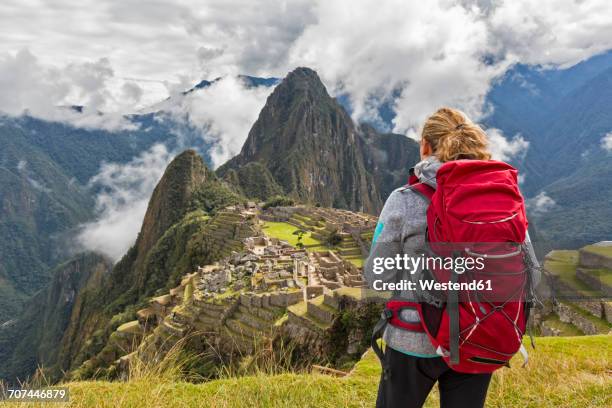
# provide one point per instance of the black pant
(410, 379)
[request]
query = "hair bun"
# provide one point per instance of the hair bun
(453, 136)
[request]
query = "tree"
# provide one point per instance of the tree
(300, 234)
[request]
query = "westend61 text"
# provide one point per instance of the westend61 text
(405, 285)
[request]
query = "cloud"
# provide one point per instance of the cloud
(606, 142)
(48, 92)
(541, 203)
(505, 149)
(550, 32)
(121, 204)
(447, 53)
(433, 55)
(132, 92)
(224, 112)
(156, 41)
(118, 57)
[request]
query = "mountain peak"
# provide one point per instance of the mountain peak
(303, 79)
(303, 72)
(172, 196)
(307, 144)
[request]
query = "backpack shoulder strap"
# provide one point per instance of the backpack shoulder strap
(425, 190)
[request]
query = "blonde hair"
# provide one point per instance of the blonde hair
(453, 136)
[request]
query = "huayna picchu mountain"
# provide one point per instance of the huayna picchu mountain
(305, 144)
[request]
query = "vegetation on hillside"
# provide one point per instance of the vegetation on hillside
(164, 252)
(35, 339)
(45, 168)
(277, 201)
(286, 232)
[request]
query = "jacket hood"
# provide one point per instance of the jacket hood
(426, 170)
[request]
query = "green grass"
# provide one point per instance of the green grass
(562, 372)
(564, 264)
(356, 260)
(565, 255)
(599, 250)
(284, 231)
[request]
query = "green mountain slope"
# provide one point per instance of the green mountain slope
(34, 339)
(163, 252)
(39, 203)
(44, 171)
(564, 114)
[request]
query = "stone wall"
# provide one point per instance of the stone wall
(568, 315)
(594, 282)
(592, 260)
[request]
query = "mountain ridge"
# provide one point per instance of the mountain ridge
(300, 128)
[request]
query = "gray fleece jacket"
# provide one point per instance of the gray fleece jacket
(401, 230)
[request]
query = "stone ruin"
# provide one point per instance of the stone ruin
(577, 291)
(263, 286)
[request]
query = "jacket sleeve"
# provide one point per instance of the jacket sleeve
(387, 240)
(400, 231)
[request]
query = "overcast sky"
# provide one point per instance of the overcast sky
(120, 55)
(125, 55)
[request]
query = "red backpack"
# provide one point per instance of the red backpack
(477, 212)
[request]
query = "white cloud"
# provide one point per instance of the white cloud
(550, 32)
(224, 111)
(541, 203)
(154, 42)
(444, 53)
(125, 190)
(118, 57)
(505, 149)
(606, 142)
(47, 92)
(433, 54)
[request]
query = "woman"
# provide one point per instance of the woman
(412, 366)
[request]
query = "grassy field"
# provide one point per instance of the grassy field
(600, 250)
(563, 263)
(356, 260)
(284, 231)
(563, 372)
